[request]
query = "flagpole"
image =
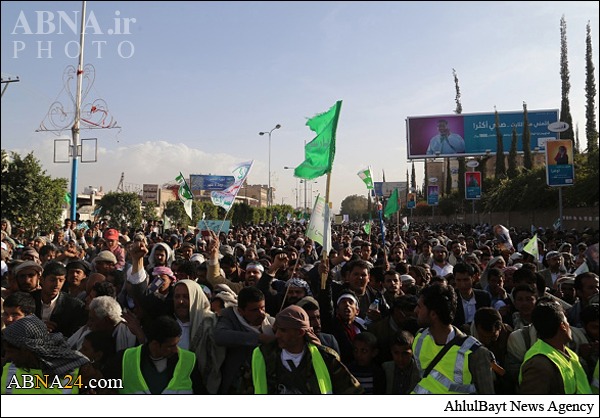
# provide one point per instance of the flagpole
(323, 252)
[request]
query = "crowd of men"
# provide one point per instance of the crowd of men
(425, 309)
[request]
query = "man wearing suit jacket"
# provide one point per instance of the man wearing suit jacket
(469, 299)
(59, 311)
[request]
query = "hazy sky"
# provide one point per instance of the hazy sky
(191, 84)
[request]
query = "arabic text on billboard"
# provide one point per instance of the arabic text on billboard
(208, 182)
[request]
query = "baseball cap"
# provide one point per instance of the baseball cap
(111, 233)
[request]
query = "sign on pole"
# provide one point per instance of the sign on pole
(473, 185)
(433, 194)
(412, 201)
(560, 170)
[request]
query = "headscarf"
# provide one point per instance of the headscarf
(296, 318)
(296, 282)
(209, 356)
(228, 296)
(160, 270)
(51, 350)
(170, 254)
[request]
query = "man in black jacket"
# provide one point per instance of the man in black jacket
(469, 299)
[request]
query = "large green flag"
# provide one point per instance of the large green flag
(392, 204)
(320, 151)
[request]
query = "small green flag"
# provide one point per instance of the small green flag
(320, 151)
(532, 248)
(392, 204)
(67, 198)
(365, 175)
(367, 227)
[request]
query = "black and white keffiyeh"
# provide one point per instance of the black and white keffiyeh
(55, 356)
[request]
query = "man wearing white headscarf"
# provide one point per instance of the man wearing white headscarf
(198, 322)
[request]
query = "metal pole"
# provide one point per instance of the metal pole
(75, 128)
(560, 208)
(269, 189)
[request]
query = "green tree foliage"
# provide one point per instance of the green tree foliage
(462, 166)
(149, 211)
(591, 128)
(565, 107)
(30, 198)
(584, 191)
(512, 171)
(124, 209)
(500, 166)
(356, 207)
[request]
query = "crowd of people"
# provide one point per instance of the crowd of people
(425, 309)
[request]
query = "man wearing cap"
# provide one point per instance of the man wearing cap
(27, 275)
(105, 262)
(296, 363)
(111, 243)
(440, 263)
(311, 306)
(555, 269)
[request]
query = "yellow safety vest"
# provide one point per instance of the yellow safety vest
(574, 378)
(259, 371)
(451, 374)
(133, 380)
(13, 376)
(595, 380)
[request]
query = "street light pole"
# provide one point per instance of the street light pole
(269, 202)
(296, 190)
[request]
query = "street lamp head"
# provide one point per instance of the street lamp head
(262, 133)
(277, 126)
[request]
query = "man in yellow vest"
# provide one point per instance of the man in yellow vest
(449, 361)
(297, 363)
(549, 366)
(159, 366)
(40, 362)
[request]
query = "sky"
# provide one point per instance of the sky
(191, 84)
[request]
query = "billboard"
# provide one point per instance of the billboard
(385, 189)
(475, 133)
(433, 194)
(560, 170)
(150, 193)
(473, 185)
(208, 182)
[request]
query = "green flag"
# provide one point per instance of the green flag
(367, 227)
(365, 175)
(392, 204)
(320, 151)
(532, 248)
(67, 198)
(185, 194)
